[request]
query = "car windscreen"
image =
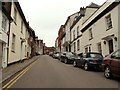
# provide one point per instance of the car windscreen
(96, 55)
(71, 55)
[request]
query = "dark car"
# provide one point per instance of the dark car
(68, 57)
(112, 64)
(89, 60)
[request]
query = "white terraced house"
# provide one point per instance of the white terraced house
(99, 32)
(18, 35)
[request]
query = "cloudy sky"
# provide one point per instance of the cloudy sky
(46, 16)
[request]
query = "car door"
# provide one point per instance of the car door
(115, 62)
(83, 59)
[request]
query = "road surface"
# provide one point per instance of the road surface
(51, 73)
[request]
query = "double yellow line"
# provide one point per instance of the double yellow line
(14, 80)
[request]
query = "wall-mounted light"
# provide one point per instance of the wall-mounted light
(115, 38)
(104, 42)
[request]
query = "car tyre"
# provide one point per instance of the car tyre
(107, 72)
(74, 64)
(86, 68)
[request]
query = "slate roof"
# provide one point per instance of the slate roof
(93, 5)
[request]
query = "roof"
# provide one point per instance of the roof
(93, 5)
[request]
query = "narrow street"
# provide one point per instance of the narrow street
(51, 73)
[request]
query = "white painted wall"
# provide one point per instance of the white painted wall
(16, 29)
(99, 32)
(4, 40)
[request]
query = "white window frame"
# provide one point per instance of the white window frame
(108, 22)
(21, 26)
(90, 34)
(4, 22)
(77, 31)
(73, 34)
(13, 42)
(15, 14)
(78, 45)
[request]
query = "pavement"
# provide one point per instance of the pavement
(14, 68)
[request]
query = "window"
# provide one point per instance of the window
(25, 50)
(74, 34)
(74, 46)
(4, 22)
(90, 34)
(108, 21)
(77, 31)
(86, 49)
(89, 49)
(13, 42)
(21, 26)
(15, 14)
(78, 45)
(99, 47)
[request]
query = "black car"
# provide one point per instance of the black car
(89, 60)
(68, 57)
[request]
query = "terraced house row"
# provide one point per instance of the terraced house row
(17, 39)
(93, 28)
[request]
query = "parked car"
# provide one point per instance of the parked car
(51, 54)
(89, 60)
(68, 57)
(56, 55)
(112, 64)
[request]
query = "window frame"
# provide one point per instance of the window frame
(13, 42)
(78, 45)
(108, 21)
(90, 34)
(15, 15)
(77, 31)
(21, 26)
(4, 22)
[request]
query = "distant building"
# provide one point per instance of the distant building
(61, 34)
(56, 44)
(99, 30)
(49, 49)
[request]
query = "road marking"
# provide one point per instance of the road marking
(10, 83)
(17, 78)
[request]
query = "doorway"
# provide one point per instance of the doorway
(110, 44)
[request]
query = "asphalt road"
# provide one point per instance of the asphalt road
(51, 73)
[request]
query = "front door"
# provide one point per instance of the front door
(110, 43)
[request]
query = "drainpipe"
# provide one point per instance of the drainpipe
(10, 21)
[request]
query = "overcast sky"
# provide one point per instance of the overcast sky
(46, 16)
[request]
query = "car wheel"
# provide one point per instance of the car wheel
(86, 68)
(74, 64)
(66, 61)
(107, 72)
